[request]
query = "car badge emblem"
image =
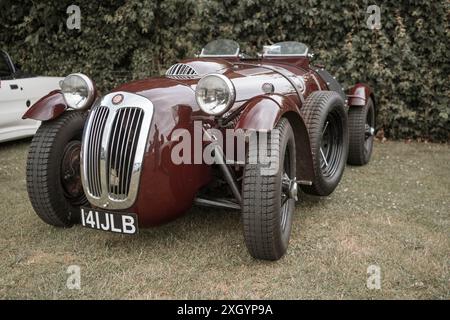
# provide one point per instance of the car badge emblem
(114, 178)
(118, 98)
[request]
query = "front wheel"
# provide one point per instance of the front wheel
(53, 170)
(268, 194)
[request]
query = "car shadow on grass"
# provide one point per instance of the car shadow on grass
(208, 231)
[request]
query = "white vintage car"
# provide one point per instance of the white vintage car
(19, 91)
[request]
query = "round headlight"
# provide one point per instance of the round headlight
(215, 94)
(78, 90)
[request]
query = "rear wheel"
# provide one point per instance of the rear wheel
(361, 131)
(53, 170)
(326, 120)
(268, 196)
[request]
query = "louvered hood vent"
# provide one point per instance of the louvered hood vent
(181, 71)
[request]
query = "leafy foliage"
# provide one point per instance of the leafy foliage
(406, 61)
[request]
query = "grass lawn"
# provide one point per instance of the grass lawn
(393, 213)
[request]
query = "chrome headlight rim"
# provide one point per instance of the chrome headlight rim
(90, 91)
(231, 90)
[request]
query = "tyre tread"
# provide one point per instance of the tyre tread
(40, 189)
(260, 207)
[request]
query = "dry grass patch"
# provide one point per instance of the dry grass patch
(393, 213)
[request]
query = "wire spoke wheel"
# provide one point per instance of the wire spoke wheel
(369, 131)
(286, 205)
(326, 120)
(332, 145)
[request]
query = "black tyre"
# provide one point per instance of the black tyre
(361, 127)
(268, 204)
(326, 120)
(53, 170)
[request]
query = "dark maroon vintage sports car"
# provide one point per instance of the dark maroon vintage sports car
(224, 129)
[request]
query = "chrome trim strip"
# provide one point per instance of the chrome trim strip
(130, 102)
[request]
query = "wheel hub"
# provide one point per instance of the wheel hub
(70, 170)
(370, 131)
(290, 187)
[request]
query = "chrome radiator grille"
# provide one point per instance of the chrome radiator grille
(94, 142)
(123, 143)
(114, 144)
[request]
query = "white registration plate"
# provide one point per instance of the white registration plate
(125, 223)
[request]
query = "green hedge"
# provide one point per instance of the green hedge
(406, 61)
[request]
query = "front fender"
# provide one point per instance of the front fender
(359, 94)
(47, 108)
(262, 113)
